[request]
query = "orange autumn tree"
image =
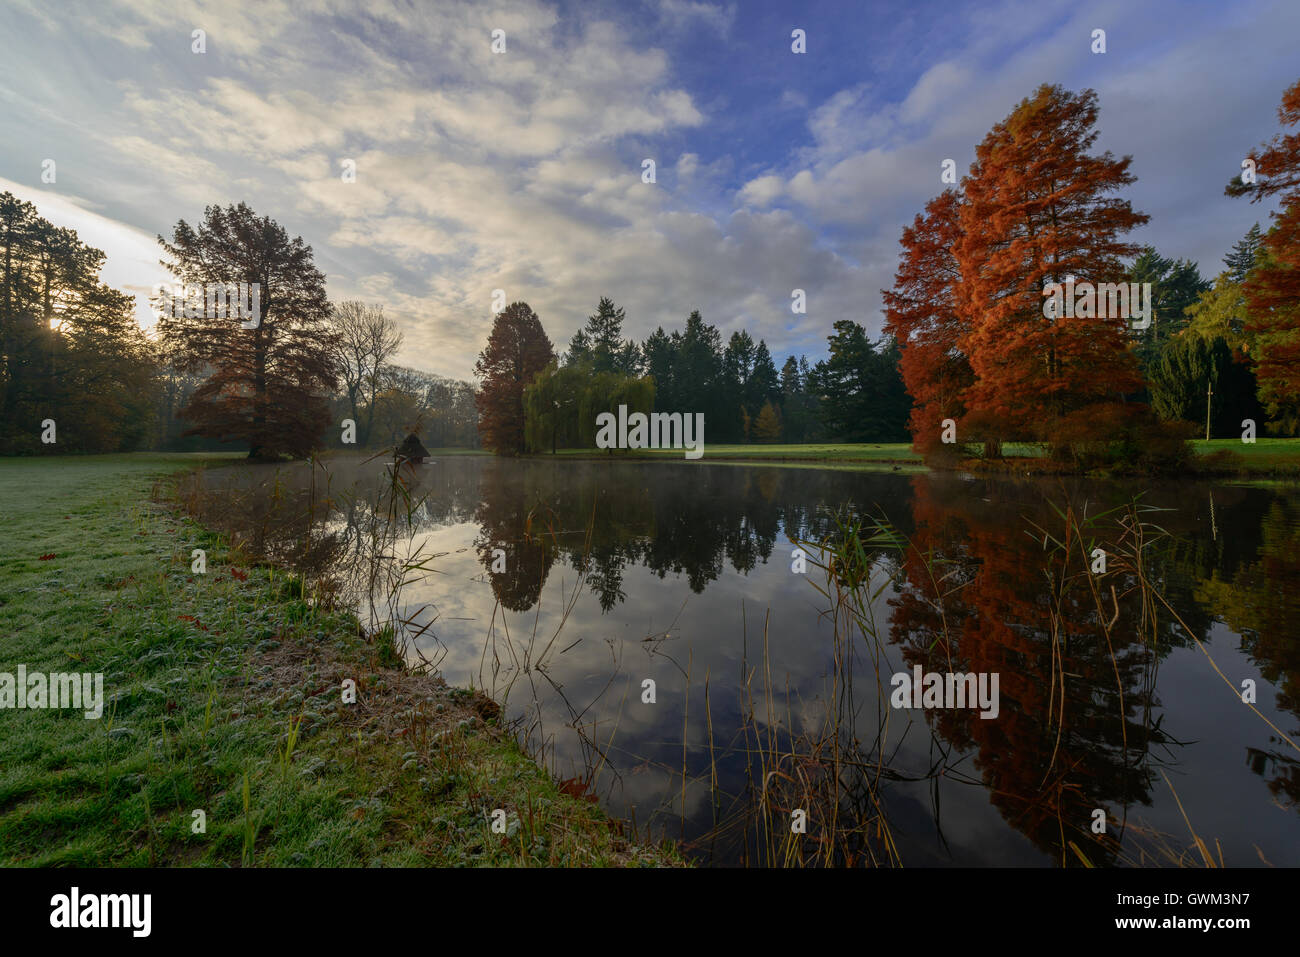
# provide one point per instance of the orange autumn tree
(1272, 288)
(1038, 209)
(517, 349)
(921, 314)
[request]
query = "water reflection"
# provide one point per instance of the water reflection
(561, 587)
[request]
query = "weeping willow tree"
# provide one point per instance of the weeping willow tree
(551, 408)
(562, 403)
(605, 392)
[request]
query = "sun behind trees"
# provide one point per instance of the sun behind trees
(269, 384)
(967, 307)
(71, 352)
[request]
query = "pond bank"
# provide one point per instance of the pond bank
(223, 695)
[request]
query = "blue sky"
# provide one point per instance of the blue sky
(522, 170)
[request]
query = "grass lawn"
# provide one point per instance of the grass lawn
(1263, 455)
(824, 452)
(1266, 456)
(222, 694)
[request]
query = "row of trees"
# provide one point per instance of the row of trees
(71, 352)
(535, 400)
(967, 337)
(977, 349)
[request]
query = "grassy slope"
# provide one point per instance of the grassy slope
(203, 676)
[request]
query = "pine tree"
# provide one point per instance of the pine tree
(1175, 285)
(660, 355)
(791, 381)
(698, 369)
(579, 349)
(270, 383)
(764, 385)
(1241, 260)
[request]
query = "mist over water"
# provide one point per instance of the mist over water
(619, 572)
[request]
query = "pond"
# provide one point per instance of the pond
(1125, 623)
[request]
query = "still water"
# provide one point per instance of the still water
(562, 588)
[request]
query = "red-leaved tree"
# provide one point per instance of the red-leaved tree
(1272, 288)
(1038, 209)
(516, 351)
(921, 314)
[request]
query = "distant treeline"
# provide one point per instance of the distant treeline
(534, 400)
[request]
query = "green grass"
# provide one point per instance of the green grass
(1263, 455)
(1266, 456)
(222, 694)
(823, 452)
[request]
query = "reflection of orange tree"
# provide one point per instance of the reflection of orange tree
(1260, 604)
(973, 599)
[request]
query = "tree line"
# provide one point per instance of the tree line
(78, 374)
(986, 363)
(535, 400)
(970, 361)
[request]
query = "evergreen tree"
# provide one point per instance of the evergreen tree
(698, 368)
(1176, 284)
(862, 394)
(660, 357)
(791, 380)
(1241, 260)
(605, 330)
(764, 384)
(1190, 366)
(270, 383)
(579, 349)
(734, 408)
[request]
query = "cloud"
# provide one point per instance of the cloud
(522, 170)
(132, 254)
(682, 14)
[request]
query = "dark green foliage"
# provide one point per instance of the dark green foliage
(1179, 378)
(1241, 260)
(862, 394)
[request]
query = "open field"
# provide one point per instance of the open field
(222, 694)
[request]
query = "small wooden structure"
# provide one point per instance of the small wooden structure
(412, 450)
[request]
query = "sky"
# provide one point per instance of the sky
(523, 170)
